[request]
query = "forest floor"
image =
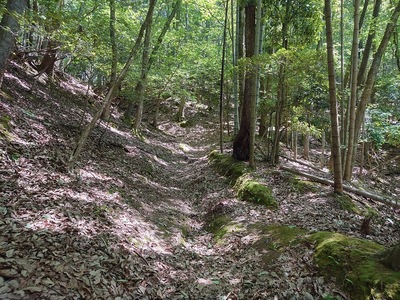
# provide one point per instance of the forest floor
(130, 221)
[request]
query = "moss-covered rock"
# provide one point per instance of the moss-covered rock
(303, 186)
(346, 203)
(255, 192)
(227, 166)
(355, 264)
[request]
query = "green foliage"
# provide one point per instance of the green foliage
(381, 128)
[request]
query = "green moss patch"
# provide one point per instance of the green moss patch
(227, 166)
(221, 225)
(355, 264)
(255, 192)
(346, 203)
(275, 239)
(303, 186)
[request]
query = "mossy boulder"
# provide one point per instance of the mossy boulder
(346, 203)
(355, 264)
(303, 186)
(227, 166)
(252, 191)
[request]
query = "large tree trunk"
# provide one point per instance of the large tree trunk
(353, 97)
(241, 144)
(335, 147)
(9, 28)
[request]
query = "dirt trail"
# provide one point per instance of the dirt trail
(129, 221)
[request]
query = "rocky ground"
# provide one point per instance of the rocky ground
(129, 222)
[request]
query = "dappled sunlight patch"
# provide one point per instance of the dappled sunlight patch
(89, 173)
(17, 81)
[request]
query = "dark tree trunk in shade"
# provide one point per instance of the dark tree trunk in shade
(9, 28)
(241, 144)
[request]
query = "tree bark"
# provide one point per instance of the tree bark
(9, 28)
(241, 144)
(255, 90)
(141, 85)
(347, 173)
(221, 87)
(335, 146)
(114, 55)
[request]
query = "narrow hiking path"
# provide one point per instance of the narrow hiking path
(132, 220)
(129, 222)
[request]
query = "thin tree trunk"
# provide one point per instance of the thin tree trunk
(370, 82)
(9, 28)
(221, 90)
(129, 111)
(335, 148)
(241, 54)
(323, 149)
(294, 144)
(306, 144)
(255, 72)
(114, 54)
(368, 44)
(347, 173)
(391, 202)
(235, 47)
(108, 98)
(141, 85)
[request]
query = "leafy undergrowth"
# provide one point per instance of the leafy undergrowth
(132, 220)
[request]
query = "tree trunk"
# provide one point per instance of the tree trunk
(306, 144)
(129, 111)
(294, 144)
(141, 85)
(281, 92)
(241, 144)
(221, 87)
(368, 44)
(235, 47)
(335, 147)
(9, 28)
(323, 142)
(347, 173)
(370, 82)
(180, 115)
(255, 90)
(114, 55)
(108, 98)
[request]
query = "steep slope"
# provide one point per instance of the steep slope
(136, 218)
